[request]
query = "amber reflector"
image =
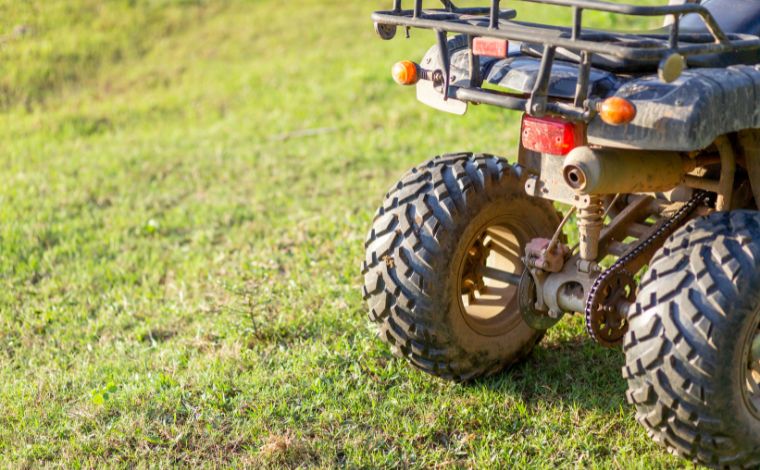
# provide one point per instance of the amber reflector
(490, 47)
(405, 72)
(617, 111)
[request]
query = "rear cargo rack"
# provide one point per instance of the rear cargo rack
(495, 22)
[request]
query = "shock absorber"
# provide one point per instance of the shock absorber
(590, 223)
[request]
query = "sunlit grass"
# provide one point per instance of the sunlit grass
(186, 189)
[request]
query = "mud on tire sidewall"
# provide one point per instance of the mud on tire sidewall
(412, 271)
(695, 314)
(504, 345)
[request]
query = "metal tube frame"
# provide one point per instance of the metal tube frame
(497, 23)
(727, 173)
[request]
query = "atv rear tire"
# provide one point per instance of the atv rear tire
(416, 253)
(690, 364)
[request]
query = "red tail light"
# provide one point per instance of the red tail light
(551, 135)
(490, 47)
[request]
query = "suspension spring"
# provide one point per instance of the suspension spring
(590, 223)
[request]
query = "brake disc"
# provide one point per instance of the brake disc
(526, 295)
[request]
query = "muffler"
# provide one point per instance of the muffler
(612, 171)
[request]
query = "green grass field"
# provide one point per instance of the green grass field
(186, 186)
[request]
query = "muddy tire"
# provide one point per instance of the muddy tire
(417, 251)
(691, 370)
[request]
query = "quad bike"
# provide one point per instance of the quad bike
(651, 140)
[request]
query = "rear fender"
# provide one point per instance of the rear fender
(687, 114)
(459, 59)
(516, 73)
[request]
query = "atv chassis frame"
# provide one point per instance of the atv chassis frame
(470, 22)
(571, 279)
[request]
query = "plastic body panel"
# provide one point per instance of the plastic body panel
(687, 114)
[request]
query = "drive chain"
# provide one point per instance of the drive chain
(594, 301)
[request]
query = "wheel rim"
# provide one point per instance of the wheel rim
(752, 373)
(489, 276)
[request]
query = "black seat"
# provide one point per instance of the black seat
(733, 16)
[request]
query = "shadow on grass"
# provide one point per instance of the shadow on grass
(570, 370)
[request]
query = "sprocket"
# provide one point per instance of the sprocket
(605, 294)
(604, 319)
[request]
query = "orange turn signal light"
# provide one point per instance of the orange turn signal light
(616, 111)
(405, 72)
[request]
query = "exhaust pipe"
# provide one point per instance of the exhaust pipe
(612, 171)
